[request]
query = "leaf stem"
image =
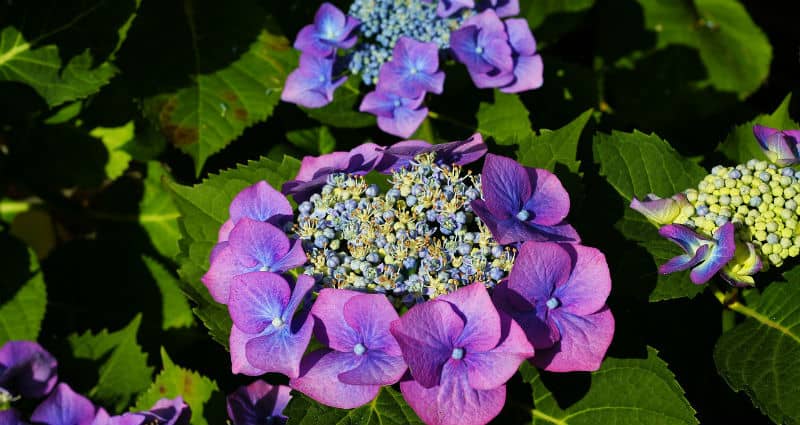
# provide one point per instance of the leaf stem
(730, 300)
(541, 415)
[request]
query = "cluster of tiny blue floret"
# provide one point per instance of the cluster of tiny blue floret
(383, 22)
(418, 240)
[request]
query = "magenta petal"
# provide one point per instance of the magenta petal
(293, 259)
(589, 284)
(511, 230)
(280, 351)
(258, 244)
(482, 321)
(256, 299)
(239, 363)
(404, 122)
(506, 186)
(63, 407)
(310, 166)
(539, 329)
(224, 232)
(720, 253)
(528, 74)
(302, 285)
(400, 154)
(491, 369)
(371, 316)
(256, 403)
(584, 342)
(427, 334)
(330, 327)
(540, 267)
(684, 262)
(461, 152)
(260, 202)
(319, 380)
(454, 402)
(27, 369)
(549, 201)
(377, 368)
(763, 133)
(224, 267)
(11, 417)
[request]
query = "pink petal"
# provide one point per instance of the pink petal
(319, 380)
(583, 345)
(330, 327)
(589, 284)
(549, 201)
(482, 321)
(493, 368)
(371, 316)
(239, 363)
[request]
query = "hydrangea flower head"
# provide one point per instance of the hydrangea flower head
(311, 84)
(362, 354)
(258, 404)
(263, 306)
(331, 29)
(460, 351)
(780, 146)
(26, 369)
(705, 256)
(557, 293)
(521, 203)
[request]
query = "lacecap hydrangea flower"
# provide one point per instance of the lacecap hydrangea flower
(397, 46)
(739, 219)
(441, 281)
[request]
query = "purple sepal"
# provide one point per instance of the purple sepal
(448, 7)
(331, 29)
(27, 369)
(528, 68)
(482, 44)
(103, 418)
(503, 8)
(557, 292)
(397, 115)
(314, 171)
(780, 146)
(64, 407)
(258, 404)
(706, 262)
(319, 380)
(413, 70)
(311, 84)
(168, 412)
(260, 202)
(460, 152)
(263, 308)
(11, 417)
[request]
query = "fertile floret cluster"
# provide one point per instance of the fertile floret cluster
(418, 240)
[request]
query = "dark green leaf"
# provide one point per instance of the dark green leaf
(388, 408)
(554, 146)
(673, 285)
(314, 141)
(741, 145)
(536, 11)
(343, 111)
(176, 312)
(157, 212)
(114, 139)
(505, 119)
(21, 315)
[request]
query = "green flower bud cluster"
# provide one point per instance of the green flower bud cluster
(759, 198)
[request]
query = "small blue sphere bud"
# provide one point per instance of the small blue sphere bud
(523, 215)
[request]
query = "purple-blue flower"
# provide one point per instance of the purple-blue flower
(521, 203)
(460, 152)
(64, 407)
(703, 255)
(331, 29)
(557, 293)
(528, 67)
(780, 146)
(314, 170)
(252, 246)
(11, 417)
(258, 404)
(446, 8)
(164, 412)
(262, 306)
(260, 202)
(362, 355)
(482, 45)
(503, 8)
(397, 115)
(26, 369)
(460, 351)
(311, 84)
(413, 70)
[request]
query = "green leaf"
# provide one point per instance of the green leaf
(124, 373)
(761, 356)
(343, 111)
(9, 208)
(21, 316)
(114, 139)
(735, 51)
(173, 381)
(314, 141)
(206, 116)
(636, 164)
(203, 208)
(741, 145)
(505, 119)
(65, 113)
(157, 212)
(536, 11)
(550, 147)
(388, 408)
(623, 391)
(175, 309)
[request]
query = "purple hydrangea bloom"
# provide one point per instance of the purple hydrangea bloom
(311, 84)
(362, 355)
(168, 412)
(503, 8)
(461, 351)
(397, 115)
(258, 404)
(460, 152)
(780, 146)
(703, 255)
(521, 203)
(252, 246)
(64, 407)
(314, 170)
(331, 29)
(262, 306)
(260, 202)
(11, 417)
(528, 68)
(413, 70)
(557, 293)
(446, 8)
(103, 418)
(482, 45)
(27, 369)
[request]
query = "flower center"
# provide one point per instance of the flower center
(264, 268)
(553, 303)
(479, 50)
(413, 71)
(359, 349)
(523, 215)
(397, 103)
(458, 354)
(277, 323)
